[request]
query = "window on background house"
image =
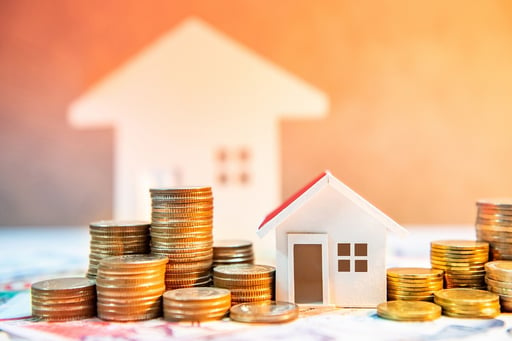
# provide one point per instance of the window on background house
(352, 257)
(233, 166)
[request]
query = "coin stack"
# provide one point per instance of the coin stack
(413, 284)
(494, 225)
(64, 299)
(462, 262)
(247, 282)
(468, 303)
(181, 229)
(130, 287)
(409, 311)
(232, 252)
(498, 276)
(264, 312)
(196, 304)
(116, 238)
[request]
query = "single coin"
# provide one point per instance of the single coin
(409, 310)
(414, 273)
(465, 296)
(244, 270)
(458, 245)
(264, 312)
(63, 284)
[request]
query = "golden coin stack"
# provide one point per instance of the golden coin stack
(409, 311)
(116, 238)
(468, 303)
(130, 288)
(196, 304)
(264, 312)
(498, 276)
(494, 225)
(232, 252)
(247, 282)
(64, 299)
(413, 284)
(181, 229)
(462, 262)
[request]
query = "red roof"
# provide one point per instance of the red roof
(291, 199)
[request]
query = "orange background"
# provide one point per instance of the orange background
(420, 97)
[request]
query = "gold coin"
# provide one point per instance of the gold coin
(409, 310)
(264, 312)
(414, 273)
(243, 271)
(465, 296)
(63, 285)
(459, 245)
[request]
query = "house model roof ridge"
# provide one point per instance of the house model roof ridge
(294, 202)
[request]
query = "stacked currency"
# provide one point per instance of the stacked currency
(196, 304)
(232, 252)
(462, 262)
(409, 311)
(247, 282)
(498, 276)
(494, 225)
(468, 303)
(413, 284)
(264, 312)
(63, 299)
(130, 288)
(116, 238)
(181, 229)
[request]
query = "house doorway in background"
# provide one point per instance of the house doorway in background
(307, 254)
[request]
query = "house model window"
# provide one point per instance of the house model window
(352, 257)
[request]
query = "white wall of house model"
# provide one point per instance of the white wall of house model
(197, 108)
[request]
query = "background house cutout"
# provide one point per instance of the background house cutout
(197, 108)
(331, 246)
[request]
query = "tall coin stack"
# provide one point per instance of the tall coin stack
(181, 229)
(462, 262)
(196, 304)
(413, 284)
(494, 225)
(247, 282)
(468, 303)
(232, 252)
(130, 288)
(63, 299)
(116, 238)
(499, 281)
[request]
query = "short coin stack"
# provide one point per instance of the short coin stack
(413, 284)
(409, 311)
(264, 312)
(181, 229)
(232, 252)
(468, 303)
(494, 225)
(247, 282)
(499, 281)
(130, 288)
(116, 238)
(462, 262)
(64, 299)
(196, 304)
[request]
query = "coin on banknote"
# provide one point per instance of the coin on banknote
(264, 312)
(409, 310)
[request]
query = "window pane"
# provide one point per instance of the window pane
(361, 265)
(344, 265)
(361, 249)
(344, 249)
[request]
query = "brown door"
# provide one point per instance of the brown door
(307, 269)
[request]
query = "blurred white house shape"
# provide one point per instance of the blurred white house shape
(197, 108)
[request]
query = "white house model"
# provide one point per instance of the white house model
(197, 108)
(331, 246)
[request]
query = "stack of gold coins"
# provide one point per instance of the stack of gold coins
(181, 229)
(468, 303)
(498, 276)
(247, 282)
(409, 311)
(264, 312)
(130, 288)
(462, 262)
(413, 284)
(232, 252)
(196, 304)
(64, 299)
(116, 238)
(494, 225)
